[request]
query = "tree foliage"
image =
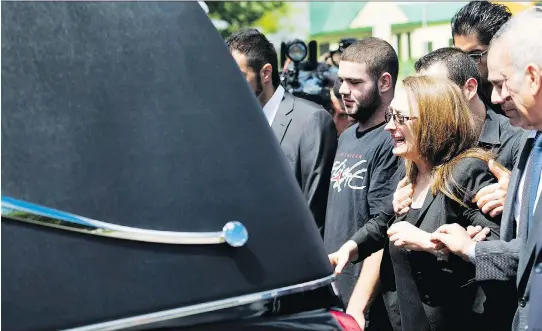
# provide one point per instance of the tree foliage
(241, 14)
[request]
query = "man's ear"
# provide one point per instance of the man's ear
(470, 88)
(385, 83)
(533, 75)
(266, 73)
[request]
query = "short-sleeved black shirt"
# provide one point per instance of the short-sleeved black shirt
(363, 178)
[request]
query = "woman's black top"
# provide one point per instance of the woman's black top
(420, 291)
(409, 305)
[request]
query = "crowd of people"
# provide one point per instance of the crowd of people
(428, 201)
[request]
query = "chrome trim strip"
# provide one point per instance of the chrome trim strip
(234, 233)
(130, 322)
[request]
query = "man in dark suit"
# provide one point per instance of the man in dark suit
(515, 70)
(305, 130)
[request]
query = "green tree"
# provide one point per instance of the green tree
(242, 14)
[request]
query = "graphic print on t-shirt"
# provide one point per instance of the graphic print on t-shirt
(348, 172)
(363, 178)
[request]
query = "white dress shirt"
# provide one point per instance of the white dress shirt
(272, 106)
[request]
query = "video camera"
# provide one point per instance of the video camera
(310, 79)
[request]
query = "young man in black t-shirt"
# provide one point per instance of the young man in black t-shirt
(365, 172)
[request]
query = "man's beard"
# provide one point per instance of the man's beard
(368, 107)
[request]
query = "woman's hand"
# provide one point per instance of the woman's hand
(345, 254)
(406, 235)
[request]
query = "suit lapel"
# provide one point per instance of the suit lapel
(507, 221)
(429, 198)
(282, 118)
(528, 250)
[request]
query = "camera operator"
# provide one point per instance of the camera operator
(311, 80)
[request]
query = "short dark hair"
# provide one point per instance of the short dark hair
(482, 18)
(258, 50)
(460, 66)
(377, 54)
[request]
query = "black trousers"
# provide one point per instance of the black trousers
(377, 318)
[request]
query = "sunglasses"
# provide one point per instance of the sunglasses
(397, 118)
(477, 57)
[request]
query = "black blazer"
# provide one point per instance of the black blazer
(308, 137)
(447, 290)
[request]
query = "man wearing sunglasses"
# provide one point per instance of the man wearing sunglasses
(473, 27)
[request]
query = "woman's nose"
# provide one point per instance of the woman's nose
(390, 125)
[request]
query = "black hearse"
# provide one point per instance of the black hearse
(142, 188)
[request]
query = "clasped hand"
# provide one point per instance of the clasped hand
(406, 235)
(449, 237)
(459, 240)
